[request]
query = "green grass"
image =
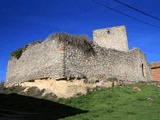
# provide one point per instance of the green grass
(118, 103)
(121, 103)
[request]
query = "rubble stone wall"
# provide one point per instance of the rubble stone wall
(64, 56)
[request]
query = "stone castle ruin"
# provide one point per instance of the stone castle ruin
(63, 56)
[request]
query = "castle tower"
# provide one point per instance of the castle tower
(113, 37)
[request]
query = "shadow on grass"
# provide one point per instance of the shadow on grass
(24, 107)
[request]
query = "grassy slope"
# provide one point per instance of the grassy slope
(120, 103)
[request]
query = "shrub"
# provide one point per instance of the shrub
(50, 96)
(13, 89)
(34, 92)
(17, 53)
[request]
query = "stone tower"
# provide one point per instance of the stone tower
(113, 37)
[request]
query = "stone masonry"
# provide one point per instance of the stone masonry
(113, 37)
(155, 68)
(63, 56)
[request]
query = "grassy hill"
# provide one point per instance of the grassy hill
(118, 103)
(122, 103)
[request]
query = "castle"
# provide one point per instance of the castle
(63, 56)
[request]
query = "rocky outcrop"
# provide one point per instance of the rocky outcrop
(64, 88)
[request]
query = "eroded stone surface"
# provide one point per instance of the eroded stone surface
(66, 89)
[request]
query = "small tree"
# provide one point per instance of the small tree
(17, 53)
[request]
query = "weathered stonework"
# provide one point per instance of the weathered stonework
(63, 56)
(155, 68)
(38, 61)
(113, 37)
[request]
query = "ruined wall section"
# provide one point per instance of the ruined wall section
(65, 56)
(38, 61)
(129, 66)
(113, 37)
(107, 63)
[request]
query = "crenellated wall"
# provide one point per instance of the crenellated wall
(63, 56)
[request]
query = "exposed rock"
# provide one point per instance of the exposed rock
(155, 83)
(136, 88)
(93, 80)
(150, 98)
(63, 88)
(105, 84)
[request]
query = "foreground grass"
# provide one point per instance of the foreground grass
(121, 103)
(118, 103)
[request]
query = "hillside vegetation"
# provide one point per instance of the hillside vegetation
(122, 103)
(117, 103)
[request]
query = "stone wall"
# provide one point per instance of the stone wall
(66, 56)
(38, 61)
(107, 63)
(113, 37)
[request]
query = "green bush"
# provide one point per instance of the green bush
(13, 89)
(34, 92)
(17, 53)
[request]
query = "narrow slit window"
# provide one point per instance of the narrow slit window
(143, 70)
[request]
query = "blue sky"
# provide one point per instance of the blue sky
(25, 21)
